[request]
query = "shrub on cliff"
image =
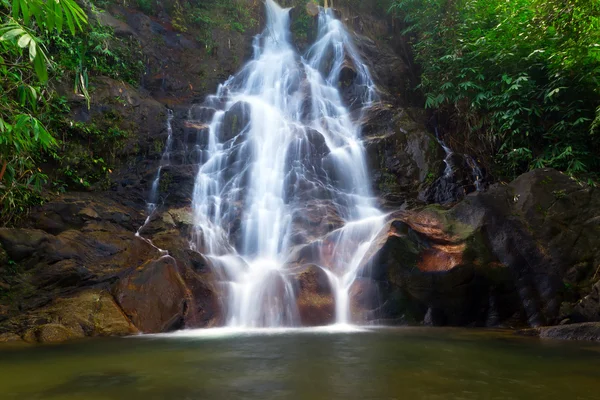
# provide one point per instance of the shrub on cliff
(517, 81)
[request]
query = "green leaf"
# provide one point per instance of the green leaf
(16, 7)
(32, 50)
(24, 41)
(25, 11)
(12, 33)
(39, 65)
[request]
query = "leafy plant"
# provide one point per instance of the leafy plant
(24, 67)
(518, 81)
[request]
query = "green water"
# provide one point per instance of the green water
(411, 364)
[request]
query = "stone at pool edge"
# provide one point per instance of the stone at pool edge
(585, 331)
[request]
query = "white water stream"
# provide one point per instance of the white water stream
(280, 155)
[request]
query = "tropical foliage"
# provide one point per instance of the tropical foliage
(517, 81)
(24, 65)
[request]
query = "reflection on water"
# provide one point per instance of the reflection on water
(409, 363)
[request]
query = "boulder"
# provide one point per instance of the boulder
(365, 299)
(588, 331)
(20, 244)
(89, 313)
(498, 258)
(588, 309)
(154, 296)
(314, 296)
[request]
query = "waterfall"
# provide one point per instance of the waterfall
(165, 160)
(281, 166)
(448, 170)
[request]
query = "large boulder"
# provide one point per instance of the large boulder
(314, 296)
(154, 296)
(517, 255)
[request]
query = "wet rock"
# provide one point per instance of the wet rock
(205, 307)
(176, 185)
(453, 186)
(154, 296)
(315, 220)
(496, 258)
(52, 333)
(22, 243)
(235, 120)
(589, 331)
(88, 313)
(10, 338)
(396, 263)
(314, 296)
(73, 211)
(403, 156)
(588, 309)
(387, 67)
(365, 298)
(64, 273)
(120, 28)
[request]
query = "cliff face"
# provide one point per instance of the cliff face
(75, 267)
(518, 255)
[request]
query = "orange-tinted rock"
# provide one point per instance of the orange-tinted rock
(314, 297)
(440, 258)
(154, 296)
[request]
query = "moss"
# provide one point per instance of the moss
(304, 25)
(165, 182)
(387, 182)
(234, 123)
(158, 146)
(477, 251)
(430, 178)
(450, 224)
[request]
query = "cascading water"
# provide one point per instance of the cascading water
(279, 152)
(448, 158)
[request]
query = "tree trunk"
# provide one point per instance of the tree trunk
(3, 171)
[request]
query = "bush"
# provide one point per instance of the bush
(517, 80)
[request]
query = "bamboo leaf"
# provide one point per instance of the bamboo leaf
(24, 41)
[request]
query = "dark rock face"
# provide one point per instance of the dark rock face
(235, 120)
(588, 309)
(452, 187)
(500, 258)
(402, 155)
(179, 67)
(314, 296)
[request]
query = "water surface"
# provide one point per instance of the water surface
(409, 363)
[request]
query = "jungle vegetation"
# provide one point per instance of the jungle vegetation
(515, 82)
